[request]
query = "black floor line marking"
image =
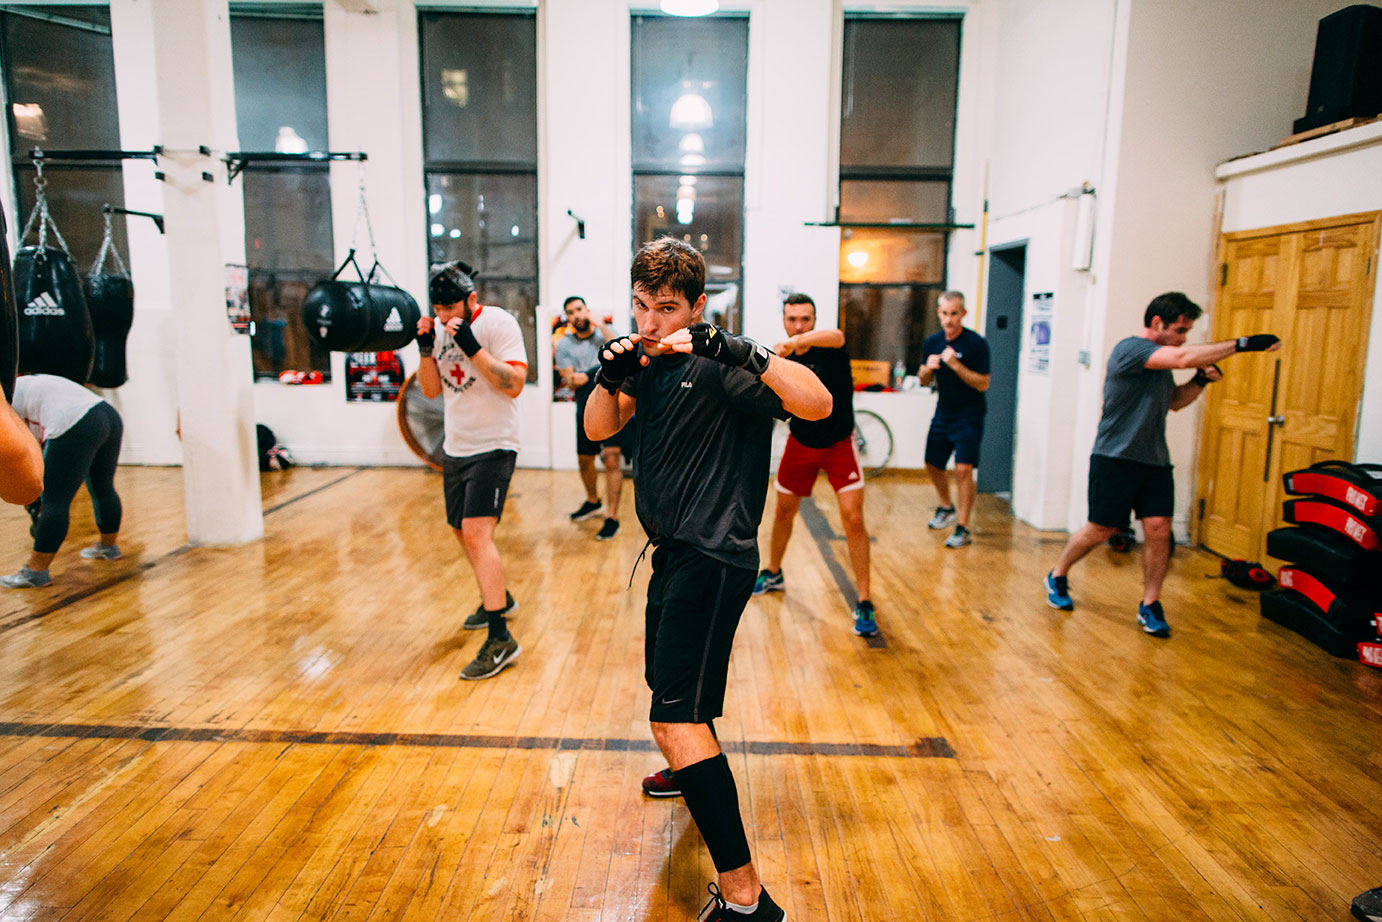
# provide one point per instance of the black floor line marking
(96, 588)
(823, 534)
(926, 747)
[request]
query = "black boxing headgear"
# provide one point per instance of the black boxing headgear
(451, 283)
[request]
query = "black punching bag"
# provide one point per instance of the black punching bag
(55, 336)
(110, 299)
(359, 316)
(9, 322)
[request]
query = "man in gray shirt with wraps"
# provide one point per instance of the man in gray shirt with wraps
(1130, 466)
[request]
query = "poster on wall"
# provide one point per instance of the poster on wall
(1039, 333)
(373, 376)
(238, 298)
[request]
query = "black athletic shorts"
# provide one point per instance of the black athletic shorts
(959, 435)
(586, 446)
(476, 485)
(1118, 486)
(694, 605)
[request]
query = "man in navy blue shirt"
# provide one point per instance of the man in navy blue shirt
(958, 360)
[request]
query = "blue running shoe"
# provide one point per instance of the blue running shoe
(1153, 620)
(1058, 592)
(865, 624)
(768, 581)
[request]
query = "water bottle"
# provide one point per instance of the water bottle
(899, 372)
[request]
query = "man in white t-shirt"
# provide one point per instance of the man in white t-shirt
(474, 356)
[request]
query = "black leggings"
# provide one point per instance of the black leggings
(86, 452)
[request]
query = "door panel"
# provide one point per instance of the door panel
(1312, 285)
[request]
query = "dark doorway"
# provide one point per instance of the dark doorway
(1003, 330)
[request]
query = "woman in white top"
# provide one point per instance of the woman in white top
(81, 436)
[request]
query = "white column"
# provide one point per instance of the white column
(184, 100)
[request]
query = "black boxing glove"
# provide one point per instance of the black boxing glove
(1203, 379)
(617, 367)
(1258, 342)
(425, 342)
(726, 348)
(465, 338)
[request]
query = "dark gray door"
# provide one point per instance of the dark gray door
(1003, 330)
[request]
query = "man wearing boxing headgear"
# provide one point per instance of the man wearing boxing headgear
(474, 356)
(705, 402)
(1130, 467)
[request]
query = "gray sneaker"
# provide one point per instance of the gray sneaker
(945, 517)
(25, 578)
(493, 656)
(478, 619)
(960, 538)
(99, 551)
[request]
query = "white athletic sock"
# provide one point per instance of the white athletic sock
(745, 910)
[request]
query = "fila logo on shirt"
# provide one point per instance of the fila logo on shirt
(686, 384)
(44, 306)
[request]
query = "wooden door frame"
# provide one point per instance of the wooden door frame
(1216, 285)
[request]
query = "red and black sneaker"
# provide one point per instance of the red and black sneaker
(661, 784)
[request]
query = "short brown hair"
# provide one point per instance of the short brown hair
(670, 264)
(799, 298)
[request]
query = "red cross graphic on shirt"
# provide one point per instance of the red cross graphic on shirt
(458, 373)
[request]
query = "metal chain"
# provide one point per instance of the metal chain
(108, 245)
(40, 214)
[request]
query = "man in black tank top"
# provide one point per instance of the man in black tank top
(821, 445)
(705, 402)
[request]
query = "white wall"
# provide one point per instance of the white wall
(1141, 98)
(1322, 178)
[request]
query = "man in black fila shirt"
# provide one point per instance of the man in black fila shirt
(825, 445)
(706, 401)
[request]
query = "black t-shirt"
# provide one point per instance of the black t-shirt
(956, 397)
(832, 367)
(705, 432)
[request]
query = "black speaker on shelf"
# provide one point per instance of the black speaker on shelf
(1346, 79)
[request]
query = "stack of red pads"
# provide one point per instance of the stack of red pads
(1331, 593)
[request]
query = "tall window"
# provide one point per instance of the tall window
(59, 70)
(689, 119)
(280, 106)
(479, 116)
(897, 149)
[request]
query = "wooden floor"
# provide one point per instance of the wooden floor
(277, 731)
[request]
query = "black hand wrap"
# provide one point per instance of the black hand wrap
(1258, 342)
(425, 342)
(465, 338)
(1202, 377)
(737, 351)
(616, 367)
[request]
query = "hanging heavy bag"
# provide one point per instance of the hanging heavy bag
(110, 300)
(9, 320)
(360, 316)
(55, 335)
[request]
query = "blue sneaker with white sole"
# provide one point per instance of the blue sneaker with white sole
(1058, 592)
(1153, 620)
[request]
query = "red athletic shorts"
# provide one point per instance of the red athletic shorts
(799, 466)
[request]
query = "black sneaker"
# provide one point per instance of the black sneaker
(493, 656)
(479, 619)
(718, 911)
(608, 530)
(587, 510)
(1368, 905)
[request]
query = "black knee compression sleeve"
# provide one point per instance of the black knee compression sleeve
(709, 791)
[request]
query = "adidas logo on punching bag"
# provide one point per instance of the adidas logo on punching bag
(394, 323)
(44, 306)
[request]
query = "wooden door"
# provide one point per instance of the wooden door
(1312, 285)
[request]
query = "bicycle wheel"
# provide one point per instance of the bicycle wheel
(420, 422)
(874, 440)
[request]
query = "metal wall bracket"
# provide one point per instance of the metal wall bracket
(116, 209)
(237, 161)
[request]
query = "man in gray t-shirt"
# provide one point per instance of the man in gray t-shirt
(1130, 466)
(577, 357)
